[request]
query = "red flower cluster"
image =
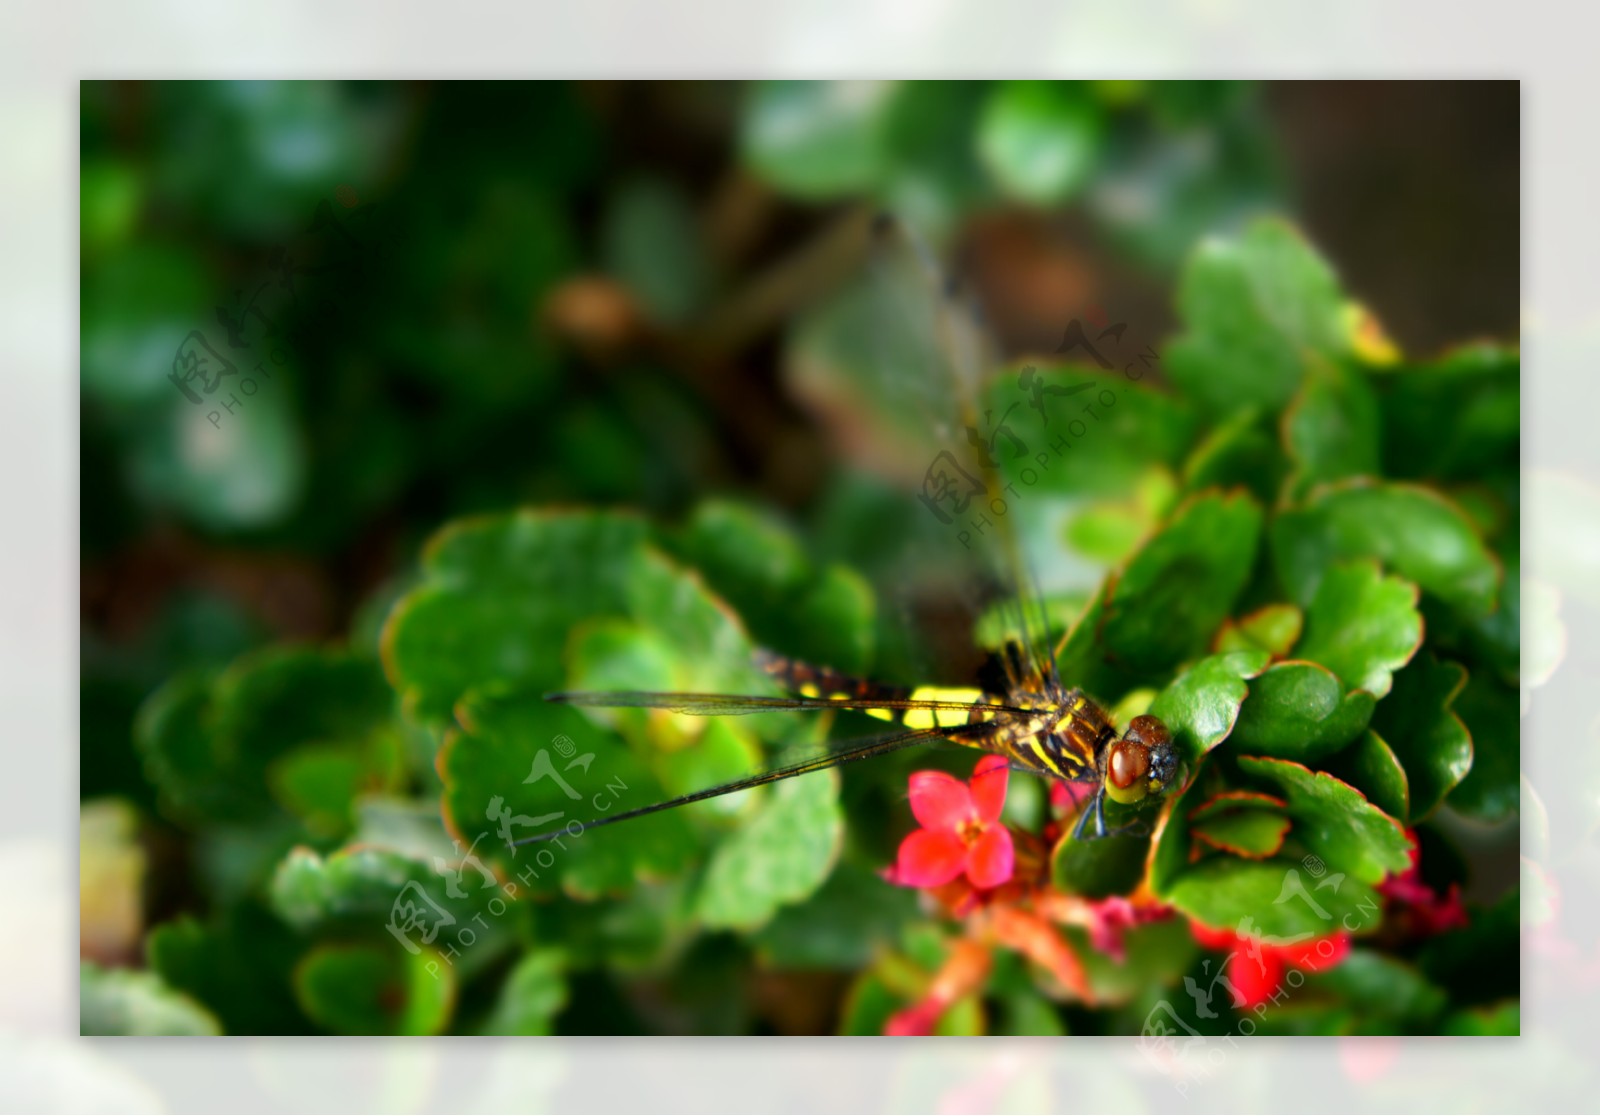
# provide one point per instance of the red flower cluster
(1423, 912)
(960, 830)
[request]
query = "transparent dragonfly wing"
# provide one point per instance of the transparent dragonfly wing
(901, 366)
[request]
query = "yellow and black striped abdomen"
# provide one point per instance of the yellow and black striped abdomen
(810, 680)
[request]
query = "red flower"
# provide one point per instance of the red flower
(1109, 919)
(1256, 968)
(960, 831)
(1423, 911)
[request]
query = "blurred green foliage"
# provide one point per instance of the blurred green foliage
(488, 452)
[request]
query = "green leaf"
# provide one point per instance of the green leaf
(816, 139)
(1455, 417)
(1334, 821)
(1101, 867)
(210, 744)
(1238, 452)
(1382, 987)
(1040, 139)
(238, 965)
(1026, 1012)
(1172, 853)
(1272, 628)
(124, 1002)
(780, 857)
(375, 990)
(1362, 626)
(1413, 531)
(1502, 1020)
(1156, 956)
(1174, 593)
(1491, 791)
(1371, 766)
(1201, 705)
(868, 1005)
(1421, 727)
(497, 787)
(1254, 309)
(853, 916)
(1249, 833)
(486, 611)
(1330, 429)
(1300, 711)
(1103, 438)
(1281, 902)
(758, 565)
(532, 996)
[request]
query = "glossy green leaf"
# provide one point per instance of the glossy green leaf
(1271, 628)
(1173, 594)
(126, 1002)
(1201, 706)
(1334, 820)
(1249, 833)
(1419, 722)
(1490, 791)
(1362, 625)
(375, 990)
(1040, 139)
(1413, 531)
(780, 857)
(1372, 767)
(1172, 852)
(1280, 898)
(1099, 867)
(1254, 309)
(1330, 428)
(1300, 711)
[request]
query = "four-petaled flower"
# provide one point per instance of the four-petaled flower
(961, 831)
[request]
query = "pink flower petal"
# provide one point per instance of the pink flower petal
(991, 858)
(940, 801)
(989, 782)
(929, 858)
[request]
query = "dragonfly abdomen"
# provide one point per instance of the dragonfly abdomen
(812, 681)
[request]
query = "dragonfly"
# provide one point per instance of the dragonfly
(1020, 709)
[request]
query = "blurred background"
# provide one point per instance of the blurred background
(320, 320)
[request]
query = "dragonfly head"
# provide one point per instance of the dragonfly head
(1141, 762)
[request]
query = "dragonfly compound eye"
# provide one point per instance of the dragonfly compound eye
(1126, 771)
(1142, 763)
